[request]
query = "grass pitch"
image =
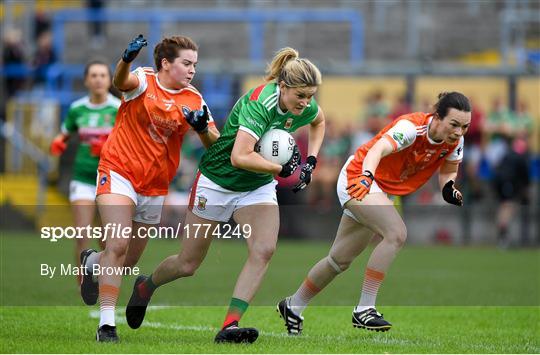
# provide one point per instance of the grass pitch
(439, 299)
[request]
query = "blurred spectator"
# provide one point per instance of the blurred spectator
(509, 134)
(377, 111)
(511, 184)
(43, 57)
(13, 55)
(42, 23)
(97, 28)
(474, 147)
(401, 107)
(334, 150)
(425, 105)
(371, 121)
(523, 122)
(499, 131)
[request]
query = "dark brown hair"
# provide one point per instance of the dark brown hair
(169, 48)
(448, 100)
(96, 62)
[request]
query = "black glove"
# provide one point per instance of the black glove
(305, 175)
(289, 167)
(133, 48)
(199, 120)
(451, 194)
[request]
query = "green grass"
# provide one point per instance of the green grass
(439, 299)
(327, 330)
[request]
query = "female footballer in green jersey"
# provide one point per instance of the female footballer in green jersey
(92, 118)
(235, 181)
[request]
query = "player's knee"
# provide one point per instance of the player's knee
(187, 267)
(336, 264)
(397, 236)
(263, 252)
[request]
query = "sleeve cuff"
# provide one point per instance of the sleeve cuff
(393, 142)
(249, 131)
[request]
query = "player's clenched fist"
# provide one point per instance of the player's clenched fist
(134, 48)
(451, 194)
(290, 167)
(198, 119)
(360, 185)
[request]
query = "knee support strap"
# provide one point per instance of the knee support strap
(333, 264)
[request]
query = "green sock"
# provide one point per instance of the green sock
(236, 309)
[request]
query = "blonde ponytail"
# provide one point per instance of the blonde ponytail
(281, 58)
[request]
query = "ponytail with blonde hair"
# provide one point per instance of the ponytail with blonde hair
(294, 71)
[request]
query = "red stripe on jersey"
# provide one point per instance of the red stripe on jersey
(255, 94)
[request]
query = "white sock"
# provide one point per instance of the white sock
(106, 316)
(91, 260)
(362, 308)
(367, 300)
(296, 304)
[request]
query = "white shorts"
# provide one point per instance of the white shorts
(342, 184)
(81, 191)
(147, 208)
(210, 201)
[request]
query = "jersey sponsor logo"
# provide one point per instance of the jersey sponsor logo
(254, 122)
(161, 128)
(151, 96)
(398, 137)
(289, 122)
(201, 203)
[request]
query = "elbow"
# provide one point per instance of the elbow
(237, 161)
(119, 84)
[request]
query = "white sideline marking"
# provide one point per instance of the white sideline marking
(201, 328)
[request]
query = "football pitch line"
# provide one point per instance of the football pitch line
(382, 339)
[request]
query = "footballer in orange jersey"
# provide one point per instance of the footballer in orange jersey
(140, 159)
(400, 159)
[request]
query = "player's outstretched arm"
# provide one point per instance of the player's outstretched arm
(123, 79)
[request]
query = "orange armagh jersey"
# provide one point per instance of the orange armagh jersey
(144, 145)
(415, 158)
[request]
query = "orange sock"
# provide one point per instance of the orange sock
(303, 295)
(370, 288)
(108, 295)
